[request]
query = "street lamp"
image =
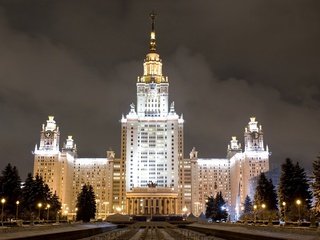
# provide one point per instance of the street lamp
(284, 211)
(39, 206)
(263, 207)
(184, 210)
(17, 208)
(105, 209)
(75, 214)
(48, 207)
(298, 202)
(3, 201)
(255, 213)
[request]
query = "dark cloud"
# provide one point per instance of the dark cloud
(226, 61)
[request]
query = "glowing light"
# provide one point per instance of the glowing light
(3, 201)
(118, 209)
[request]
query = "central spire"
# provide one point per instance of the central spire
(153, 45)
(152, 66)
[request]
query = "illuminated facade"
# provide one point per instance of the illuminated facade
(65, 173)
(152, 143)
(232, 175)
(151, 176)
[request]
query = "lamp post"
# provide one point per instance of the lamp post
(284, 211)
(75, 214)
(17, 209)
(255, 213)
(3, 201)
(48, 208)
(184, 210)
(298, 202)
(263, 207)
(39, 206)
(105, 209)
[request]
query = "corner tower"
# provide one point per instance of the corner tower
(151, 145)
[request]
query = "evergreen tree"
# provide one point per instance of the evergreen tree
(302, 187)
(55, 203)
(247, 206)
(216, 208)
(210, 208)
(316, 184)
(221, 212)
(273, 197)
(28, 195)
(10, 188)
(265, 193)
(293, 186)
(86, 204)
(36, 191)
(286, 184)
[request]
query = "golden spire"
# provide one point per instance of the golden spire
(153, 45)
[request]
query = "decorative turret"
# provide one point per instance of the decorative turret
(253, 136)
(49, 136)
(234, 147)
(69, 146)
(194, 154)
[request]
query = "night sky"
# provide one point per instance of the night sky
(226, 61)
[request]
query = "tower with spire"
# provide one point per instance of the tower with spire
(151, 140)
(53, 165)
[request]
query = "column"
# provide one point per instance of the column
(165, 206)
(144, 206)
(154, 206)
(176, 205)
(132, 206)
(127, 205)
(160, 205)
(138, 206)
(170, 206)
(149, 206)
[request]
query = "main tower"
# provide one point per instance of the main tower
(148, 180)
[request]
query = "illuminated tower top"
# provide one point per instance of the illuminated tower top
(152, 66)
(253, 136)
(152, 86)
(49, 136)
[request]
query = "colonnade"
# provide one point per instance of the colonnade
(152, 205)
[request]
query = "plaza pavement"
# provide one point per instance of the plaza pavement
(261, 232)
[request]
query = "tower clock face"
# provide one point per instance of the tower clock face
(48, 134)
(255, 135)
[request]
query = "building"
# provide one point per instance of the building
(151, 176)
(234, 175)
(152, 144)
(65, 173)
